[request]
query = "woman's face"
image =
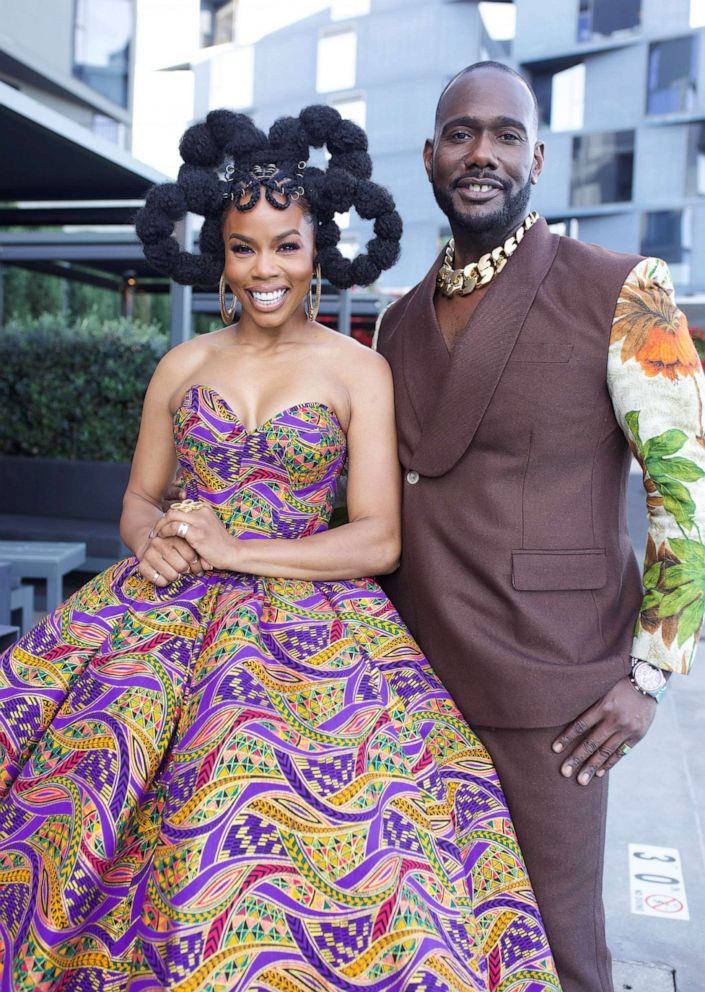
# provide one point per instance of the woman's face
(269, 260)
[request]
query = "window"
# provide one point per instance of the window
(666, 234)
(354, 108)
(605, 18)
(102, 38)
(218, 22)
(337, 57)
(602, 168)
(108, 128)
(568, 99)
(697, 13)
(560, 93)
(672, 75)
(695, 168)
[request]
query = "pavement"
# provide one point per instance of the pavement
(657, 798)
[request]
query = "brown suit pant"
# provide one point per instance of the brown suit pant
(561, 829)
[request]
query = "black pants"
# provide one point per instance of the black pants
(561, 829)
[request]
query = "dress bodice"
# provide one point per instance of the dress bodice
(278, 480)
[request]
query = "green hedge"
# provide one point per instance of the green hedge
(75, 390)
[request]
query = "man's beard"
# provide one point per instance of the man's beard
(512, 211)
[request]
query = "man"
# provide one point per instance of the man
(521, 383)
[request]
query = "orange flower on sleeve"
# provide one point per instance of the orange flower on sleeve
(653, 331)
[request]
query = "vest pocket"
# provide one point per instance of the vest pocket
(545, 571)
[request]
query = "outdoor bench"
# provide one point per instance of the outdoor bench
(45, 499)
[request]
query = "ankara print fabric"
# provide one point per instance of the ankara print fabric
(238, 783)
(657, 387)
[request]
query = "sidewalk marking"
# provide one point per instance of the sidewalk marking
(656, 882)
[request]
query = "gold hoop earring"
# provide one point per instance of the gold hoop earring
(228, 316)
(314, 302)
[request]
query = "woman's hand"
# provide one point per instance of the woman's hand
(203, 531)
(163, 559)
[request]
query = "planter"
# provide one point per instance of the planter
(54, 499)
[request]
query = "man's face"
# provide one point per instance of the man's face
(484, 155)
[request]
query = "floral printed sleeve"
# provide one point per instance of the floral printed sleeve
(657, 388)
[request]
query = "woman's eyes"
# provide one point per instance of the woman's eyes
(286, 246)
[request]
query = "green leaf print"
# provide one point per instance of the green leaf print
(668, 473)
(682, 588)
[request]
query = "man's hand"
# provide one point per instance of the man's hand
(606, 732)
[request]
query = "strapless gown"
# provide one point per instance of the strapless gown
(244, 783)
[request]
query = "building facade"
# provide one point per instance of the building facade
(69, 185)
(382, 63)
(621, 89)
(74, 57)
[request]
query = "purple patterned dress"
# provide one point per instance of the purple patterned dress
(242, 783)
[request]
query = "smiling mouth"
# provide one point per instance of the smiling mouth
(267, 299)
(479, 187)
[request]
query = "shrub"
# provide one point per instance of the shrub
(75, 390)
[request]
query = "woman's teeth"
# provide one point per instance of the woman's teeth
(266, 298)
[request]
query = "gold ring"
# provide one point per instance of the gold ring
(157, 576)
(182, 529)
(624, 749)
(188, 505)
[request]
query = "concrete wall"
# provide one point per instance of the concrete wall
(42, 30)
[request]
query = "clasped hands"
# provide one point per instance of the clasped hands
(189, 537)
(605, 732)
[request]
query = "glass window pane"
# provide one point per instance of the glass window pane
(102, 37)
(218, 22)
(609, 16)
(667, 234)
(604, 18)
(568, 99)
(603, 166)
(337, 55)
(672, 75)
(697, 13)
(695, 171)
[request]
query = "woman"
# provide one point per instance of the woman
(227, 765)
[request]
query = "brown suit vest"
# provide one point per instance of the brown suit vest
(517, 574)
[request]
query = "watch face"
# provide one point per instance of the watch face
(648, 678)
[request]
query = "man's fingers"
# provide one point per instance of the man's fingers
(623, 748)
(585, 751)
(573, 732)
(604, 753)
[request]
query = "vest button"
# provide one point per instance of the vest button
(412, 477)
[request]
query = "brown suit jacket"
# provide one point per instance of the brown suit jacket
(517, 574)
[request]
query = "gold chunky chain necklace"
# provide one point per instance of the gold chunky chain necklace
(452, 282)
